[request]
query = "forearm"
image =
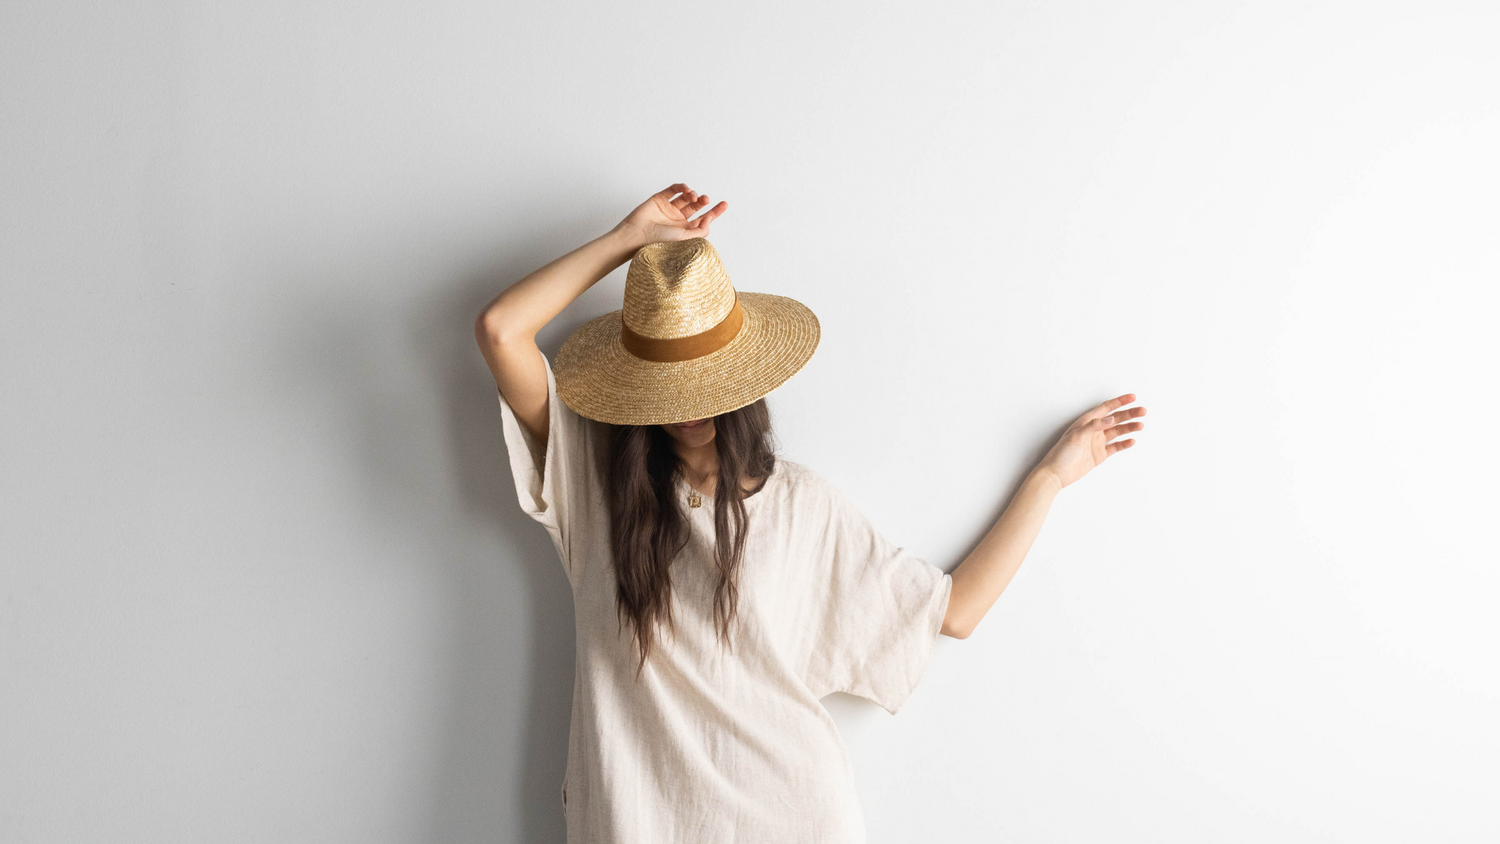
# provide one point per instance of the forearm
(984, 574)
(522, 309)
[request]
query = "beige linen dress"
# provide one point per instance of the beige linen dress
(709, 746)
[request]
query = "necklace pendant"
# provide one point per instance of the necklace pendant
(694, 500)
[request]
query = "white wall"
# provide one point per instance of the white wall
(264, 574)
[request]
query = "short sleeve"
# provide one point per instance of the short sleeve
(877, 609)
(557, 485)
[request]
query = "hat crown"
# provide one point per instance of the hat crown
(676, 289)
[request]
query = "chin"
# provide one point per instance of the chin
(693, 438)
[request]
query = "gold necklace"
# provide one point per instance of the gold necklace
(694, 499)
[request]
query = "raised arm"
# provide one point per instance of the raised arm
(984, 574)
(506, 328)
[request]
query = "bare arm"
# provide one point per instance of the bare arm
(506, 329)
(984, 574)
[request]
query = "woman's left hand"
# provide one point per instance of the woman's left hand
(1086, 443)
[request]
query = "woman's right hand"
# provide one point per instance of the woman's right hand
(667, 215)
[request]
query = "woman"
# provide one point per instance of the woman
(720, 591)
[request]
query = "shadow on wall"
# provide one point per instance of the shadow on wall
(465, 805)
(345, 350)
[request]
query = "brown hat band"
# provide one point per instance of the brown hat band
(671, 349)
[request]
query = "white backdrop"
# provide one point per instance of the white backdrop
(264, 575)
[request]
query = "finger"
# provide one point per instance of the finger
(1119, 430)
(682, 202)
(670, 191)
(710, 215)
(703, 201)
(700, 224)
(1105, 407)
(1119, 446)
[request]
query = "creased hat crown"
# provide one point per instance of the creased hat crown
(687, 345)
(676, 289)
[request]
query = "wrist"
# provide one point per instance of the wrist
(1044, 479)
(627, 237)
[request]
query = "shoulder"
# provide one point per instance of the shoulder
(794, 474)
(802, 483)
(818, 509)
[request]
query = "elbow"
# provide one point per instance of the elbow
(957, 623)
(494, 327)
(955, 629)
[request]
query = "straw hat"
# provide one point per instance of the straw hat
(686, 346)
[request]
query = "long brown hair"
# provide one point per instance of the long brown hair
(648, 526)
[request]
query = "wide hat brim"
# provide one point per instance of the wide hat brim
(600, 380)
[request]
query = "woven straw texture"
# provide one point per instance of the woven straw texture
(677, 289)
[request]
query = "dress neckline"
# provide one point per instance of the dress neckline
(708, 500)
